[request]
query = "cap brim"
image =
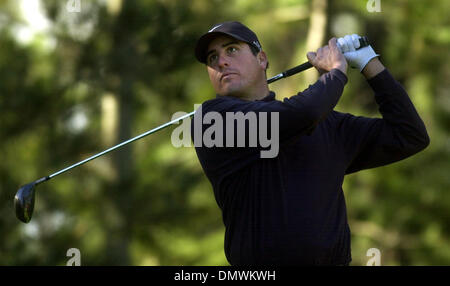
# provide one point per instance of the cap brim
(202, 44)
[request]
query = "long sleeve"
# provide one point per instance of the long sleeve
(374, 142)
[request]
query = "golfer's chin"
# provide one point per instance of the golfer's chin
(232, 89)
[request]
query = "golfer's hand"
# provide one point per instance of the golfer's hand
(356, 58)
(327, 58)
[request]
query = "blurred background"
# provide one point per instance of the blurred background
(77, 77)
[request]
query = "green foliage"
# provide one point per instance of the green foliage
(150, 203)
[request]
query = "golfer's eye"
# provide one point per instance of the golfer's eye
(231, 50)
(212, 59)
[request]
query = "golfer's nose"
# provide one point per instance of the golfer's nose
(223, 61)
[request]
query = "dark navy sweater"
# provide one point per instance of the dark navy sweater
(290, 210)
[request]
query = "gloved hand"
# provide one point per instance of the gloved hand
(355, 58)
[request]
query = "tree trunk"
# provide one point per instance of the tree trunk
(315, 39)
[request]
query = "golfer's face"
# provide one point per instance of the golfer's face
(232, 67)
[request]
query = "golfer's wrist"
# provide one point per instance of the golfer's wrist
(373, 67)
(342, 68)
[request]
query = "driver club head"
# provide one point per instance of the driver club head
(24, 202)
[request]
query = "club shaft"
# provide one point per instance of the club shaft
(290, 72)
(121, 144)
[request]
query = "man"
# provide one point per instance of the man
(290, 209)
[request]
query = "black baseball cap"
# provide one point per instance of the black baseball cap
(234, 29)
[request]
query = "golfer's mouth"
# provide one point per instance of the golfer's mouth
(227, 75)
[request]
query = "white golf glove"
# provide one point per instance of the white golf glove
(355, 58)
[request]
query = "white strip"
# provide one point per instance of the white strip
(214, 28)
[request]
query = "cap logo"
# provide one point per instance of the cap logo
(215, 28)
(257, 44)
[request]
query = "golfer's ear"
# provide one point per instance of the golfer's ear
(262, 59)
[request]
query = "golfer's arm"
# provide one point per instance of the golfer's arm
(399, 134)
(300, 114)
(320, 98)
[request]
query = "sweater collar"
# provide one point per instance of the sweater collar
(269, 97)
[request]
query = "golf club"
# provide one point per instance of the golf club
(25, 196)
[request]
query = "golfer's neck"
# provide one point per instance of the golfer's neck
(257, 93)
